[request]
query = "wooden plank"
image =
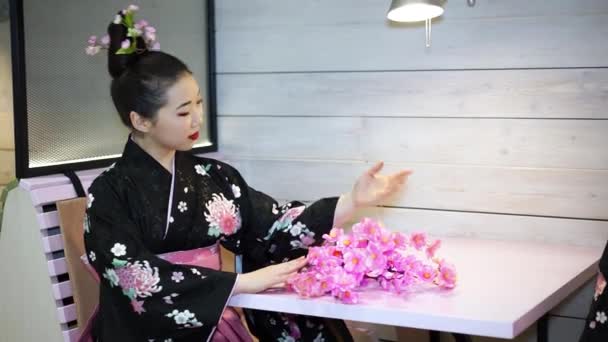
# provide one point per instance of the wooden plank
(62, 290)
(495, 142)
(57, 267)
(67, 313)
(71, 335)
(48, 220)
(565, 93)
(441, 224)
(476, 43)
(55, 193)
(52, 243)
(7, 166)
(551, 192)
(7, 141)
(270, 13)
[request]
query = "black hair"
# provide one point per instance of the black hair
(140, 80)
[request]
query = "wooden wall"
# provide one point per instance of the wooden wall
(503, 119)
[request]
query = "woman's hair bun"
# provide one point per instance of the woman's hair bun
(118, 64)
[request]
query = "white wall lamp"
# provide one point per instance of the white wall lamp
(407, 11)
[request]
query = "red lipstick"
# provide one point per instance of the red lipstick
(193, 136)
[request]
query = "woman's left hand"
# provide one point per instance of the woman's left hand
(372, 188)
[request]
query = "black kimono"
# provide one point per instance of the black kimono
(138, 210)
(596, 325)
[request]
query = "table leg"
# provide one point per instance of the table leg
(434, 336)
(462, 337)
(542, 329)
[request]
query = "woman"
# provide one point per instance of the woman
(596, 325)
(155, 218)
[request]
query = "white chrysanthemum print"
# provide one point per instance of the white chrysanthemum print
(177, 277)
(296, 229)
(186, 190)
(92, 256)
(319, 338)
(222, 215)
(182, 206)
(236, 191)
(139, 279)
(171, 219)
(185, 318)
(601, 317)
(592, 324)
(119, 249)
(90, 201)
(200, 170)
(195, 271)
(169, 299)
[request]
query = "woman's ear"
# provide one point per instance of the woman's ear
(139, 122)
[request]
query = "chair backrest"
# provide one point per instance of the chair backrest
(85, 286)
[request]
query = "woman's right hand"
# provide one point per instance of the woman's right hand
(267, 277)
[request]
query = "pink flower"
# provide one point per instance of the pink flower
(418, 240)
(294, 330)
(447, 275)
(150, 36)
(347, 296)
(155, 46)
(399, 239)
(105, 40)
(354, 261)
(333, 235)
(347, 262)
(432, 249)
(345, 241)
(367, 229)
(427, 273)
(92, 50)
(125, 44)
(222, 215)
(139, 277)
(375, 260)
(141, 24)
(386, 241)
(138, 306)
(92, 40)
(308, 239)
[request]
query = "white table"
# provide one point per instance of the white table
(504, 287)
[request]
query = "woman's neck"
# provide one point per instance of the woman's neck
(161, 154)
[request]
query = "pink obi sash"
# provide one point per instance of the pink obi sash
(230, 328)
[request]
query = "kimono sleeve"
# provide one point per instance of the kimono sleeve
(158, 296)
(273, 233)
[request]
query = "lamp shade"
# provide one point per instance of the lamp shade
(415, 10)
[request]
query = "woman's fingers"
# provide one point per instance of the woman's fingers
(293, 265)
(375, 169)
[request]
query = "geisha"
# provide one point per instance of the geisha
(156, 217)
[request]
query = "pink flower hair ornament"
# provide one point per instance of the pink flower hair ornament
(135, 30)
(350, 261)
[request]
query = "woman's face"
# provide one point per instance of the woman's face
(178, 123)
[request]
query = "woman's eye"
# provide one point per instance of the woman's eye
(183, 114)
(199, 102)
